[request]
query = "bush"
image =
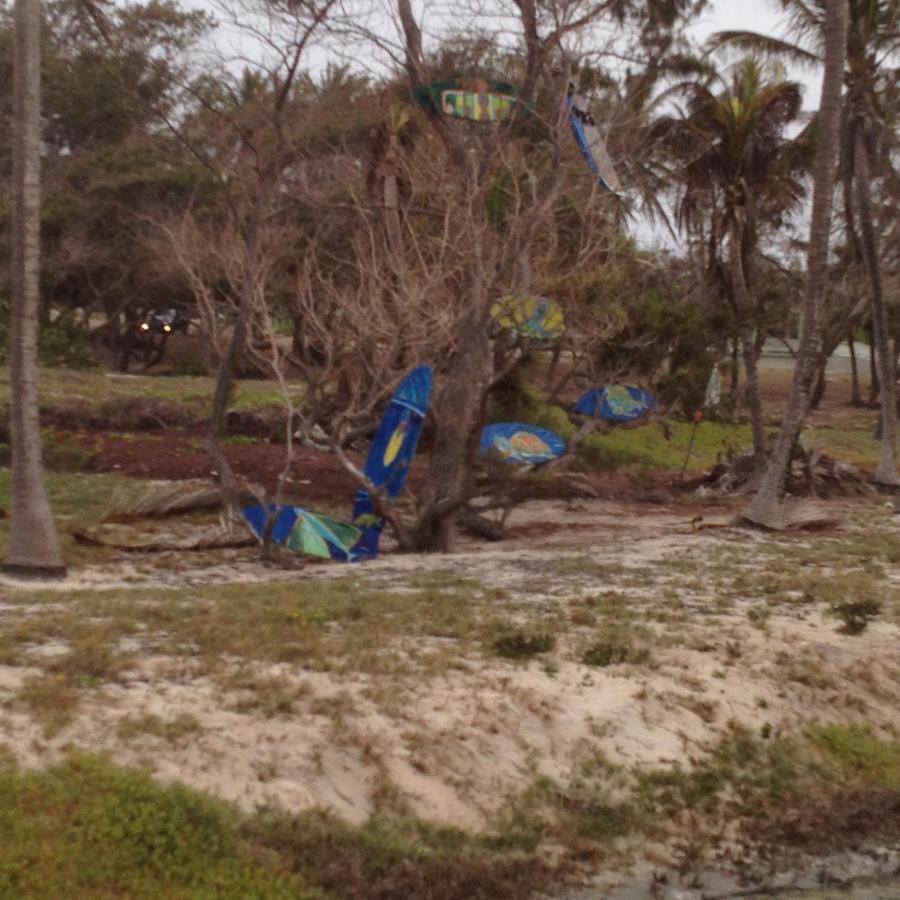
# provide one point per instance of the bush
(521, 645)
(613, 652)
(89, 829)
(63, 342)
(856, 614)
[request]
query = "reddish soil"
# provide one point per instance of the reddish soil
(175, 455)
(318, 478)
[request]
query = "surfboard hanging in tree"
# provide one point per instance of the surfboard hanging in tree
(386, 468)
(516, 442)
(538, 318)
(591, 143)
(616, 403)
(471, 98)
(713, 395)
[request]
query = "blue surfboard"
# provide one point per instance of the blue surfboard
(387, 466)
(391, 453)
(516, 442)
(616, 403)
(590, 142)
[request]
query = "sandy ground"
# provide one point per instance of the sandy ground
(455, 746)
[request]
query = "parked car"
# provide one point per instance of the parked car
(165, 321)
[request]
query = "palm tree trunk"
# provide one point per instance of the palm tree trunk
(754, 399)
(33, 545)
(748, 344)
(886, 473)
(765, 508)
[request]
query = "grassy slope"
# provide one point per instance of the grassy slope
(86, 828)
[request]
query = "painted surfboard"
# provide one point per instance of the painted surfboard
(471, 98)
(516, 442)
(307, 532)
(591, 143)
(616, 403)
(530, 317)
(387, 466)
(391, 453)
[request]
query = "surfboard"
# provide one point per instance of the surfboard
(591, 143)
(616, 403)
(471, 98)
(386, 468)
(516, 442)
(530, 317)
(391, 453)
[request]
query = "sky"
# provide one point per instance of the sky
(721, 15)
(763, 16)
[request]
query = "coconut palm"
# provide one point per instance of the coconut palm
(765, 507)
(870, 75)
(33, 545)
(737, 174)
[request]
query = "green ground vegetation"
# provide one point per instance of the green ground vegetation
(78, 499)
(62, 388)
(88, 828)
(649, 447)
(641, 448)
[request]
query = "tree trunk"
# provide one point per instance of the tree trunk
(457, 414)
(735, 367)
(754, 399)
(886, 473)
(228, 364)
(765, 508)
(874, 380)
(855, 391)
(33, 544)
(819, 383)
(748, 344)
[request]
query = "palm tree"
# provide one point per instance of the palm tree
(33, 545)
(765, 507)
(738, 173)
(870, 74)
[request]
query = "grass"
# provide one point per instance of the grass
(62, 387)
(88, 829)
(78, 499)
(50, 699)
(337, 624)
(859, 755)
(177, 730)
(754, 778)
(523, 645)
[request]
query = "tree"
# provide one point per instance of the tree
(765, 507)
(870, 77)
(106, 164)
(33, 544)
(494, 260)
(738, 175)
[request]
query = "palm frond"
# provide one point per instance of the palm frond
(766, 44)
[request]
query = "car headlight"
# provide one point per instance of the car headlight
(145, 326)
(167, 327)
